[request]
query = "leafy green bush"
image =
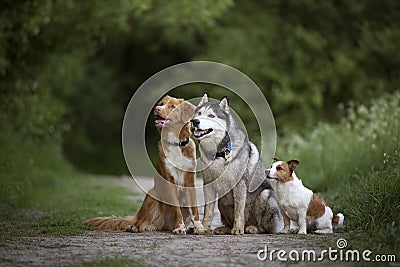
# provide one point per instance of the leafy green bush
(332, 153)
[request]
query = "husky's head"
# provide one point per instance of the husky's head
(211, 119)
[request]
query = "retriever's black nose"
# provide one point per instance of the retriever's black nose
(195, 122)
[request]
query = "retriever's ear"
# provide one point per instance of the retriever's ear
(187, 111)
(293, 164)
(224, 104)
(204, 99)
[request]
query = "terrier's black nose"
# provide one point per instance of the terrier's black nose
(195, 122)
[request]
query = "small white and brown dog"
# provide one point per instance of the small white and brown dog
(300, 204)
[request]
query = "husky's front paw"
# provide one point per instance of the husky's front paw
(237, 230)
(284, 230)
(222, 230)
(181, 230)
(251, 229)
(199, 229)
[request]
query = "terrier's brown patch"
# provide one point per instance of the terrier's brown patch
(335, 219)
(316, 208)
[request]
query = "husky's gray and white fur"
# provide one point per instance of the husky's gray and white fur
(231, 164)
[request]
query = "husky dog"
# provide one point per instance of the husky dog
(231, 164)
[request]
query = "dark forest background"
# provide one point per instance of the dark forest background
(69, 68)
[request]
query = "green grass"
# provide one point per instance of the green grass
(354, 165)
(60, 210)
(374, 210)
(41, 194)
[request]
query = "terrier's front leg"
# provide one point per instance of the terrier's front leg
(302, 222)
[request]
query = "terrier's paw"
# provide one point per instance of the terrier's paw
(251, 229)
(323, 232)
(237, 230)
(181, 230)
(303, 232)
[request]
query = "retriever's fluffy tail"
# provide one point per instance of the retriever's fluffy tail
(337, 220)
(113, 224)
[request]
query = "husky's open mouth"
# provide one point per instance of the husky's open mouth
(160, 122)
(198, 133)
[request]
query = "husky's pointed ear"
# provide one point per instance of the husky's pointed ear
(224, 104)
(293, 164)
(204, 99)
(187, 111)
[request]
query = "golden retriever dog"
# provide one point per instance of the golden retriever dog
(171, 204)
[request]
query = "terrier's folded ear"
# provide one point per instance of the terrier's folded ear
(276, 158)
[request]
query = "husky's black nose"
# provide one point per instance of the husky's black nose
(195, 122)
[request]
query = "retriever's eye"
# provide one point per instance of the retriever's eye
(279, 168)
(172, 106)
(211, 116)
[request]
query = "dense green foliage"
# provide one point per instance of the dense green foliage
(68, 69)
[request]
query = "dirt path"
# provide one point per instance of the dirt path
(162, 249)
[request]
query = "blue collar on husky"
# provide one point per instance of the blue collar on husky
(224, 151)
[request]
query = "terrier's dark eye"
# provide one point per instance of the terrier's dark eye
(279, 168)
(211, 116)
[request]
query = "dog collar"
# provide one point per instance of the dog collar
(180, 143)
(226, 153)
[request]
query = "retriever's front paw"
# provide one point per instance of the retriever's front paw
(238, 229)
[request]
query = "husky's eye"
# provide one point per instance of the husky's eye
(199, 113)
(279, 168)
(211, 116)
